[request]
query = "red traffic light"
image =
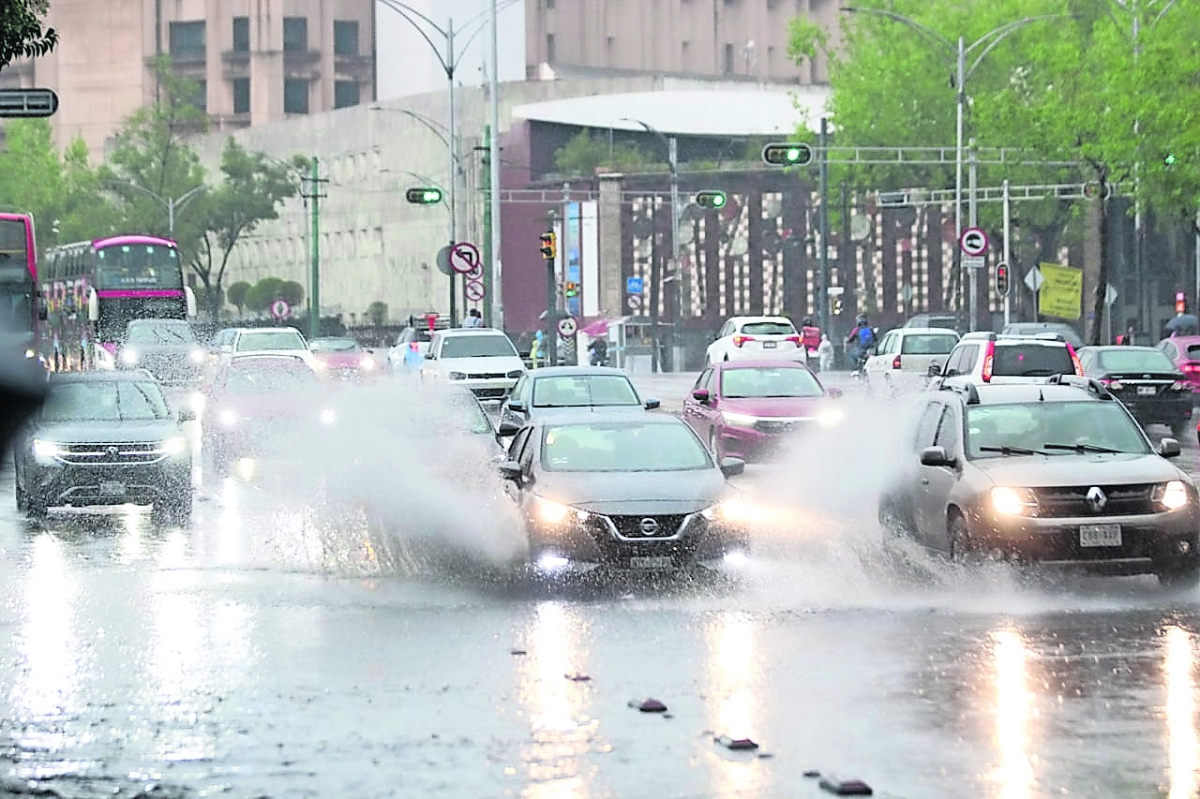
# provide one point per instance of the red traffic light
(549, 246)
(1002, 283)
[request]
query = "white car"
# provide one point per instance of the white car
(480, 359)
(912, 350)
(266, 341)
(756, 338)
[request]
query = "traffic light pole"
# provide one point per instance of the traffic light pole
(551, 299)
(823, 283)
(1006, 252)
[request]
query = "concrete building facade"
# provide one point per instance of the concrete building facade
(256, 61)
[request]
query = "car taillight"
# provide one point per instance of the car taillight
(1191, 368)
(989, 357)
(740, 340)
(896, 362)
(794, 339)
(1075, 361)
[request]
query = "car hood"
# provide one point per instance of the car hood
(106, 432)
(773, 407)
(174, 350)
(541, 412)
(502, 364)
(268, 406)
(634, 493)
(340, 360)
(1036, 471)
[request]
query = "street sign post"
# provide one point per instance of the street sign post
(634, 285)
(567, 326)
(634, 301)
(474, 290)
(464, 258)
(26, 103)
(973, 241)
(974, 261)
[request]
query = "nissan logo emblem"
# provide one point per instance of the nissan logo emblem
(111, 452)
(1097, 498)
(648, 526)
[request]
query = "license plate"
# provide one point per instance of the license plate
(1147, 391)
(111, 489)
(770, 345)
(1100, 535)
(656, 562)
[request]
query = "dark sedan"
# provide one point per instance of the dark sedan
(569, 389)
(105, 438)
(638, 493)
(167, 348)
(1144, 379)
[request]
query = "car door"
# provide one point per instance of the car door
(716, 350)
(429, 366)
(693, 411)
(515, 450)
(914, 480)
(520, 392)
(881, 361)
(708, 416)
(937, 482)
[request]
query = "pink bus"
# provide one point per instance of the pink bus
(94, 288)
(21, 308)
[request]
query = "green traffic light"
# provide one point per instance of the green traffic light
(788, 154)
(423, 196)
(710, 199)
(1170, 159)
(793, 154)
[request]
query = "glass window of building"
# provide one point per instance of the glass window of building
(345, 37)
(295, 96)
(186, 40)
(295, 34)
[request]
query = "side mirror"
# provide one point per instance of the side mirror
(516, 406)
(653, 405)
(834, 393)
(934, 370)
(935, 456)
(429, 356)
(1169, 448)
(510, 470)
(732, 467)
(702, 396)
(507, 429)
(186, 415)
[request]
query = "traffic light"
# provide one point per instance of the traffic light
(549, 245)
(423, 196)
(837, 306)
(788, 154)
(710, 199)
(1169, 159)
(571, 290)
(1002, 279)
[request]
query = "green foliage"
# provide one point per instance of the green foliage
(260, 296)
(236, 294)
(586, 153)
(292, 293)
(21, 31)
(377, 312)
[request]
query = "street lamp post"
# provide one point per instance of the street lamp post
(676, 272)
(172, 204)
(961, 52)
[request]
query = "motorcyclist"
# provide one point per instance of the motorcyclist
(860, 344)
(599, 350)
(810, 336)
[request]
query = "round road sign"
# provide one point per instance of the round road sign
(567, 326)
(973, 241)
(634, 301)
(280, 309)
(464, 258)
(474, 290)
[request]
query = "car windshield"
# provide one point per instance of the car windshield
(927, 344)
(1131, 360)
(160, 333)
(581, 391)
(769, 329)
(335, 345)
(106, 401)
(1052, 428)
(1193, 351)
(623, 447)
(750, 382)
(1035, 360)
(270, 379)
(270, 340)
(493, 346)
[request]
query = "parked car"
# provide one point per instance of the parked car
(748, 338)
(911, 349)
(565, 389)
(482, 360)
(1184, 352)
(1033, 329)
(1143, 378)
(748, 409)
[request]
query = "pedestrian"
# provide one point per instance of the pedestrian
(810, 335)
(599, 350)
(413, 358)
(535, 349)
(473, 318)
(825, 353)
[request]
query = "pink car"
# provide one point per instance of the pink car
(1184, 352)
(343, 359)
(745, 409)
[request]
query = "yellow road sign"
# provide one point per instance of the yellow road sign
(1061, 294)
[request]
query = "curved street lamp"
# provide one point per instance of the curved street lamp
(172, 204)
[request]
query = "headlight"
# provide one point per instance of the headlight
(457, 376)
(829, 417)
(129, 356)
(367, 364)
(1172, 495)
(176, 445)
(227, 417)
(553, 512)
(1012, 501)
(738, 419)
(515, 373)
(46, 449)
(197, 355)
(29, 353)
(736, 510)
(328, 416)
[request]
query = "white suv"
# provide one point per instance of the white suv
(265, 341)
(480, 359)
(756, 338)
(989, 358)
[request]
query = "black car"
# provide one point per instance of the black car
(167, 348)
(1056, 473)
(570, 389)
(105, 438)
(632, 492)
(1152, 388)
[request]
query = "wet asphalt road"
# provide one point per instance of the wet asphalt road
(269, 650)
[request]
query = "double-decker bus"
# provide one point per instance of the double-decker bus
(93, 288)
(21, 308)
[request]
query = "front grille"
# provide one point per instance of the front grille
(112, 454)
(490, 393)
(631, 526)
(1123, 500)
(777, 426)
(485, 375)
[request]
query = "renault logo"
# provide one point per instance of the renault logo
(648, 526)
(111, 452)
(1097, 498)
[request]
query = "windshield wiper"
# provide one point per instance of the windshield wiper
(1084, 448)
(1007, 450)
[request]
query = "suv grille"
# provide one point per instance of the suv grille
(113, 454)
(1123, 500)
(658, 526)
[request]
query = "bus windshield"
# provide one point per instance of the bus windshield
(138, 266)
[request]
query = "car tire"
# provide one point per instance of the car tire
(1185, 578)
(956, 529)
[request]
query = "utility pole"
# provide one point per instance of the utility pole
(551, 300)
(676, 266)
(497, 284)
(972, 220)
(314, 289)
(823, 283)
(1007, 252)
(489, 281)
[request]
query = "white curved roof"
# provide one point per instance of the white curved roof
(700, 112)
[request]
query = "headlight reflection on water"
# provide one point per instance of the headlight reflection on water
(1183, 743)
(732, 685)
(1013, 709)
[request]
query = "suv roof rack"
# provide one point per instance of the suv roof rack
(1088, 384)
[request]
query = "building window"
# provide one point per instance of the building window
(728, 66)
(685, 56)
(548, 4)
(549, 48)
(200, 98)
(241, 95)
(186, 40)
(295, 34)
(345, 93)
(241, 34)
(295, 96)
(345, 37)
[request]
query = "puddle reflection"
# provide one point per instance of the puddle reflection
(732, 684)
(1182, 739)
(1014, 709)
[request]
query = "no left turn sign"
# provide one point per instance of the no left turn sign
(973, 241)
(567, 326)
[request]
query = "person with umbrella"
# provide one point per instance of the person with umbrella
(1183, 324)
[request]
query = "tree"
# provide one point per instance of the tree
(236, 294)
(584, 154)
(377, 312)
(21, 31)
(252, 189)
(263, 293)
(292, 293)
